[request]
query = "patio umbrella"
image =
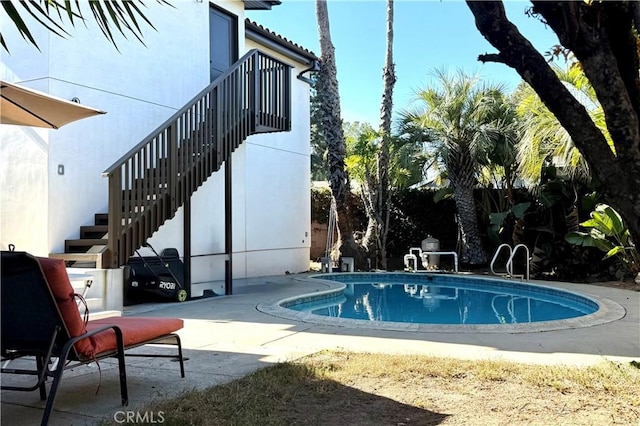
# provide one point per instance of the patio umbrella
(27, 107)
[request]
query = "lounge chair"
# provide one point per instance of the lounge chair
(40, 319)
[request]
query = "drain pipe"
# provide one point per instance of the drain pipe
(315, 67)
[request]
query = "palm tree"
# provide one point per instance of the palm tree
(377, 192)
(405, 157)
(386, 107)
(362, 143)
(544, 138)
(334, 136)
(455, 112)
(113, 15)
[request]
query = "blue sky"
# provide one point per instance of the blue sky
(427, 35)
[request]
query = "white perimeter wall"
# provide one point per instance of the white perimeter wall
(140, 87)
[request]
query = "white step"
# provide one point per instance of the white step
(104, 296)
(79, 282)
(84, 285)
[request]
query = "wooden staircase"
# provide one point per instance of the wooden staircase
(149, 183)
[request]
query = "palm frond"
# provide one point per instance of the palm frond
(21, 26)
(545, 139)
(112, 16)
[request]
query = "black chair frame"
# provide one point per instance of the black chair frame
(32, 326)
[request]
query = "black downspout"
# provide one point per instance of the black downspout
(186, 250)
(228, 228)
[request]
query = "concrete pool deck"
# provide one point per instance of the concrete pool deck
(227, 337)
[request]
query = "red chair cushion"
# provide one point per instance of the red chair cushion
(55, 272)
(135, 330)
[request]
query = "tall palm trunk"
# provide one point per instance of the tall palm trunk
(375, 239)
(473, 252)
(332, 128)
(461, 174)
(386, 107)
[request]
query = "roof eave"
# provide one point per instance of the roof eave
(260, 35)
(260, 4)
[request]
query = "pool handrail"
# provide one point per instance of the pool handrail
(510, 261)
(495, 257)
(509, 265)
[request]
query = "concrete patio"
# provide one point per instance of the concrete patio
(227, 337)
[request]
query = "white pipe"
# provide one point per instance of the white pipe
(407, 260)
(425, 255)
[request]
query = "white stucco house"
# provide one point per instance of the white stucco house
(204, 147)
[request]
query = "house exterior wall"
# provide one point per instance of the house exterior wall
(140, 87)
(24, 154)
(23, 200)
(282, 188)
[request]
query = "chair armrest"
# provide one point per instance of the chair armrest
(119, 342)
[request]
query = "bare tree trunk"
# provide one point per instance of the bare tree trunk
(332, 128)
(386, 108)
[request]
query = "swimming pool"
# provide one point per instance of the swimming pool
(433, 299)
(443, 302)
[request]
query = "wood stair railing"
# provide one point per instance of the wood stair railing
(149, 183)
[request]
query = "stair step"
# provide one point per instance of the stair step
(95, 231)
(83, 245)
(101, 219)
(88, 260)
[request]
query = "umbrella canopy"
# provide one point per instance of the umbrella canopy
(27, 107)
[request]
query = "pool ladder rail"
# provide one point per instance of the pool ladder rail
(509, 266)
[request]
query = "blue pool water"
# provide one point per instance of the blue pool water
(443, 299)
